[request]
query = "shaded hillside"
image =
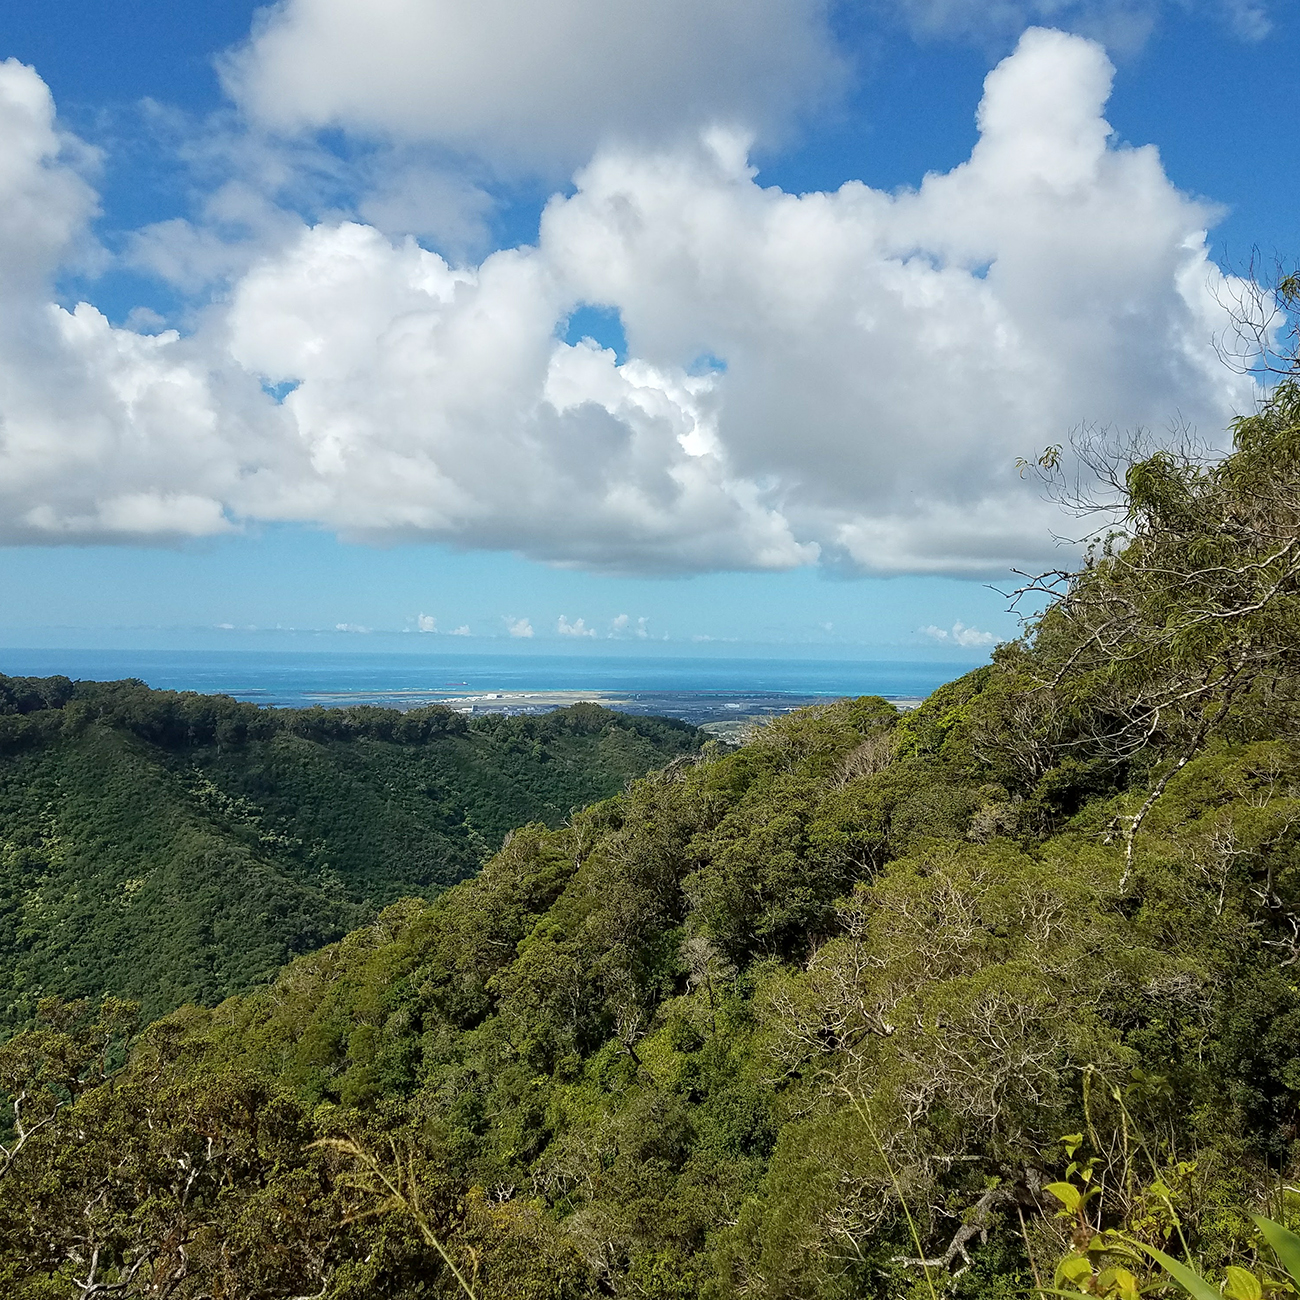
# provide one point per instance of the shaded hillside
(176, 848)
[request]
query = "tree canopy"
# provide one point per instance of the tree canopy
(177, 847)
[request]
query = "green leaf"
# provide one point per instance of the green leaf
(1073, 1268)
(1284, 1242)
(1067, 1194)
(1120, 1283)
(1114, 1244)
(1191, 1281)
(1242, 1285)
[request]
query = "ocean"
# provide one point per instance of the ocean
(694, 688)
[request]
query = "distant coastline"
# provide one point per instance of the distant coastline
(725, 695)
(730, 715)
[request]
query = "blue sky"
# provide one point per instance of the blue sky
(697, 325)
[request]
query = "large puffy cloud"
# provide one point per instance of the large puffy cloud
(538, 85)
(104, 433)
(437, 402)
(46, 203)
(846, 375)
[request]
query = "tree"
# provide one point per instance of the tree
(47, 1067)
(1188, 605)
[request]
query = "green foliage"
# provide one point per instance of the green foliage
(774, 1023)
(176, 848)
(1121, 1263)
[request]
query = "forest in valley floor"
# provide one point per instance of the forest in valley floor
(995, 998)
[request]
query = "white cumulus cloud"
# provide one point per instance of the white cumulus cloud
(104, 433)
(518, 627)
(968, 638)
(427, 623)
(846, 376)
(576, 628)
(538, 85)
(622, 625)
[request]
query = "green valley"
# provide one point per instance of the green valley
(174, 848)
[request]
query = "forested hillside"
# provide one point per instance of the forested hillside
(996, 997)
(176, 847)
(696, 1042)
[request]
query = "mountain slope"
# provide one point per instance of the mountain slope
(696, 1041)
(173, 848)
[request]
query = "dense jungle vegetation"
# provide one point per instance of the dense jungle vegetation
(995, 998)
(176, 848)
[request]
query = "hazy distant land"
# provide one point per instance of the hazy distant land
(729, 715)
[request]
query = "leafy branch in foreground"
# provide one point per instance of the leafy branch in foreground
(1187, 608)
(1106, 1262)
(393, 1189)
(1113, 1281)
(63, 1055)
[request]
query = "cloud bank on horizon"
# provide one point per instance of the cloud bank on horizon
(844, 378)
